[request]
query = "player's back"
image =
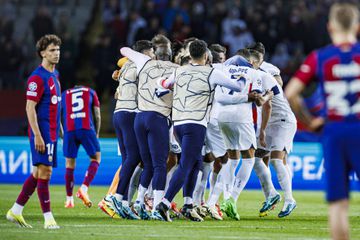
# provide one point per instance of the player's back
(338, 72)
(77, 108)
(239, 112)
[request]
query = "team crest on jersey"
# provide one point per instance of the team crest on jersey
(54, 99)
(50, 158)
(32, 86)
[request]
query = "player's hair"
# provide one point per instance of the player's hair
(197, 49)
(210, 56)
(45, 41)
(160, 40)
(257, 46)
(189, 40)
(346, 15)
(142, 45)
(216, 49)
(184, 60)
(254, 54)
(163, 53)
(244, 53)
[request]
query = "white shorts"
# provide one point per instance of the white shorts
(238, 136)
(280, 135)
(214, 141)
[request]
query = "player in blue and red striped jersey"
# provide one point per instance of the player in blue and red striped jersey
(78, 105)
(336, 68)
(43, 98)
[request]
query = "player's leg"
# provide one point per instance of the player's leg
(135, 181)
(44, 175)
(129, 166)
(229, 177)
(158, 139)
(69, 182)
(70, 150)
(206, 168)
(142, 141)
(341, 155)
(191, 137)
(28, 188)
(272, 197)
(241, 179)
(91, 145)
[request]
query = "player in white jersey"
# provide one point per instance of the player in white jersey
(214, 148)
(272, 197)
(236, 124)
(277, 131)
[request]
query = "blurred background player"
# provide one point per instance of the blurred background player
(43, 98)
(79, 104)
(336, 69)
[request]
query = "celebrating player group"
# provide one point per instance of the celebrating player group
(187, 115)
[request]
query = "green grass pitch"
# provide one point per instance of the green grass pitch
(308, 221)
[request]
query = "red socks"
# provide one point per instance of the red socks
(27, 190)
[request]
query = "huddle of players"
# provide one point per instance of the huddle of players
(202, 107)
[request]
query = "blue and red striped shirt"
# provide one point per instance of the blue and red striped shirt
(43, 87)
(78, 103)
(337, 70)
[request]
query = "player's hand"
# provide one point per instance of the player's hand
(116, 75)
(253, 96)
(269, 93)
(316, 124)
(39, 144)
(262, 138)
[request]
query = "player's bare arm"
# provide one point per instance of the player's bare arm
(262, 99)
(32, 117)
(97, 120)
(265, 114)
(292, 92)
(279, 80)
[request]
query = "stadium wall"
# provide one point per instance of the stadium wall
(15, 164)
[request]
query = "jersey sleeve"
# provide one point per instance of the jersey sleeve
(307, 71)
(96, 102)
(35, 88)
(257, 83)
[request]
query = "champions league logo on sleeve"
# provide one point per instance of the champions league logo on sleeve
(32, 86)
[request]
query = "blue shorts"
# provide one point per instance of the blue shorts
(48, 158)
(73, 139)
(341, 150)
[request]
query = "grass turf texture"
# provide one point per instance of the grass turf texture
(308, 221)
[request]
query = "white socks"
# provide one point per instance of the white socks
(17, 209)
(118, 197)
(213, 179)
(169, 176)
(200, 186)
(141, 194)
(70, 198)
(134, 182)
(242, 177)
(229, 176)
(188, 200)
(150, 190)
(84, 188)
(264, 175)
(158, 195)
(48, 216)
(283, 178)
(218, 186)
(290, 172)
